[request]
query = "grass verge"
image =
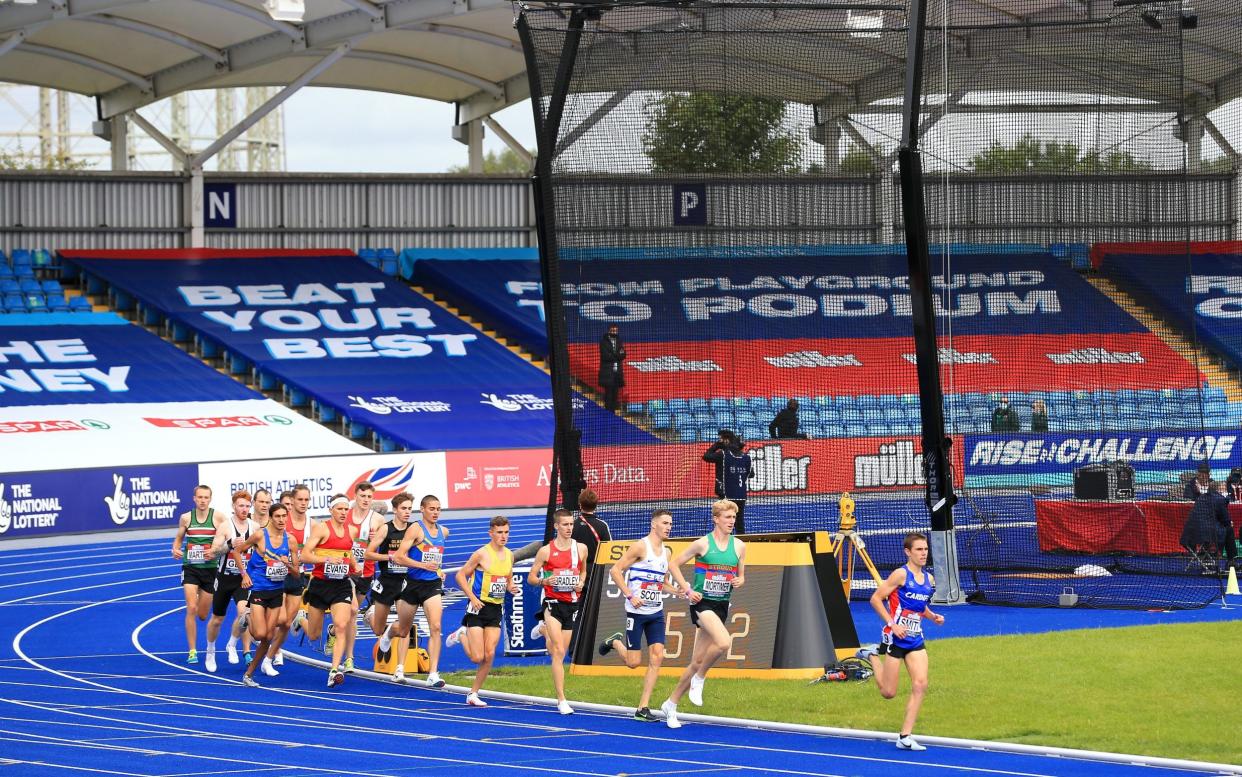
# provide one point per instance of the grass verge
(1151, 690)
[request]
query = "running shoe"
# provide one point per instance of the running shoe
(908, 742)
(248, 656)
(474, 701)
(335, 677)
(250, 682)
(267, 668)
(645, 715)
(330, 641)
(385, 642)
(454, 637)
(867, 651)
(299, 622)
(243, 622)
(563, 707)
(537, 632)
(605, 647)
(349, 665)
(695, 694)
(433, 680)
(670, 714)
(398, 674)
(231, 649)
(279, 660)
(210, 663)
(192, 657)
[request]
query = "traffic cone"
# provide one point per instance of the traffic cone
(1232, 587)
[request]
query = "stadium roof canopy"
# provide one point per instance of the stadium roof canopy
(129, 53)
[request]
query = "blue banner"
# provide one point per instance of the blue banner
(1060, 454)
(95, 500)
(95, 358)
(357, 341)
(786, 297)
(520, 610)
(1201, 292)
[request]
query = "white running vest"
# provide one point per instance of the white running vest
(646, 579)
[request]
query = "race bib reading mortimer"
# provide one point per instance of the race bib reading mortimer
(277, 571)
(336, 570)
(196, 554)
(717, 584)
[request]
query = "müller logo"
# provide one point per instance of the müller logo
(895, 464)
(1096, 356)
(674, 364)
(813, 359)
(954, 356)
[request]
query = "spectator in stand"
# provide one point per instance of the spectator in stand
(1200, 485)
(1233, 485)
(786, 423)
(1039, 416)
(611, 374)
(1209, 523)
(733, 470)
(1004, 417)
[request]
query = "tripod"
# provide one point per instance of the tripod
(847, 534)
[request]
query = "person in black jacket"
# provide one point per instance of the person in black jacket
(1209, 522)
(786, 423)
(611, 358)
(733, 469)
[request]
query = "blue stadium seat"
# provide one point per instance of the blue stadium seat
(22, 257)
(855, 429)
(35, 303)
(42, 259)
(697, 403)
(719, 404)
(14, 303)
(5, 270)
(24, 271)
(687, 434)
(754, 432)
(79, 304)
(635, 407)
(10, 286)
(677, 405)
(387, 261)
(662, 418)
(369, 255)
(30, 286)
(51, 286)
(57, 300)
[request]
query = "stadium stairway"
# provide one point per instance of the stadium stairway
(1209, 365)
(638, 419)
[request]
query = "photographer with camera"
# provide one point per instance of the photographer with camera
(733, 469)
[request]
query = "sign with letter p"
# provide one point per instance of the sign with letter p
(690, 205)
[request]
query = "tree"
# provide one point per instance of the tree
(857, 161)
(718, 133)
(25, 160)
(507, 162)
(1029, 155)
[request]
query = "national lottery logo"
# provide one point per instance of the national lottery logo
(374, 407)
(508, 405)
(118, 503)
(6, 512)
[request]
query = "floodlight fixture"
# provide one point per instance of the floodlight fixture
(285, 10)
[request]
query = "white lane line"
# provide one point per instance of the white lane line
(92, 587)
(77, 557)
(77, 576)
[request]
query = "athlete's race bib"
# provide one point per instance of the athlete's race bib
(230, 567)
(377, 586)
(397, 569)
(497, 587)
(564, 580)
(336, 570)
(360, 553)
(433, 555)
(717, 584)
(471, 609)
(650, 594)
(277, 571)
(196, 554)
(913, 622)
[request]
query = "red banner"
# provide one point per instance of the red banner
(493, 479)
(688, 369)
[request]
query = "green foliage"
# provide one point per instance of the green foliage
(25, 160)
(1029, 155)
(1065, 689)
(716, 133)
(857, 162)
(507, 162)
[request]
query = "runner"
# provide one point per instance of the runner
(273, 557)
(719, 567)
(298, 524)
(485, 578)
(902, 602)
(195, 530)
(642, 577)
(391, 579)
(365, 522)
(232, 531)
(330, 550)
(262, 506)
(561, 567)
(422, 553)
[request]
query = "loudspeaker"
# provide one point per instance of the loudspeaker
(1104, 481)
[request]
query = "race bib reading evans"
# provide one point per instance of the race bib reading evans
(277, 571)
(196, 554)
(336, 570)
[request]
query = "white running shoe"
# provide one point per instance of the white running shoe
(335, 677)
(433, 679)
(908, 742)
(267, 668)
(299, 622)
(454, 637)
(670, 714)
(695, 694)
(398, 674)
(250, 682)
(474, 701)
(279, 660)
(564, 708)
(231, 649)
(385, 642)
(537, 632)
(209, 663)
(244, 622)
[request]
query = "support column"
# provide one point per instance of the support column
(120, 143)
(1194, 143)
(471, 135)
(194, 206)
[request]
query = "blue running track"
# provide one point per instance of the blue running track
(93, 681)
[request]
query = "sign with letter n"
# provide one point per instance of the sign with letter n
(690, 205)
(220, 205)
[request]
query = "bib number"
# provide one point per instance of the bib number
(650, 594)
(433, 555)
(717, 584)
(496, 588)
(230, 567)
(564, 581)
(913, 622)
(196, 554)
(360, 553)
(277, 571)
(336, 570)
(397, 569)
